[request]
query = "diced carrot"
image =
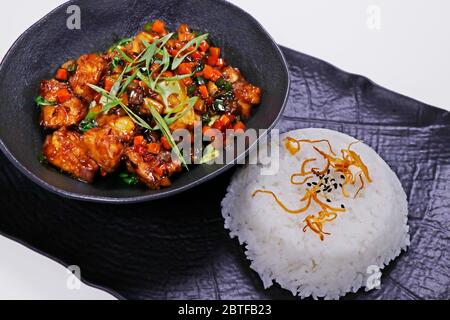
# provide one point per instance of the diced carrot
(109, 83)
(239, 126)
(212, 61)
(62, 95)
(216, 75)
(203, 91)
(226, 121)
(61, 74)
(215, 52)
(185, 68)
(159, 26)
(183, 28)
(166, 145)
(218, 124)
(205, 130)
(208, 72)
(203, 46)
(138, 140)
(154, 148)
(220, 63)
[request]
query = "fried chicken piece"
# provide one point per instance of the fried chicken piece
(66, 114)
(49, 89)
(65, 149)
(70, 112)
(106, 143)
(90, 68)
(152, 165)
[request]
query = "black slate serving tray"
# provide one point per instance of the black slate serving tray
(177, 248)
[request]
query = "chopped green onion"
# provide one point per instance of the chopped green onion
(148, 27)
(219, 105)
(191, 90)
(200, 81)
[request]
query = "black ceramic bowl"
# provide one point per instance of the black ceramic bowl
(49, 43)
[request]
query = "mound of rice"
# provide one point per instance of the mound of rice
(372, 231)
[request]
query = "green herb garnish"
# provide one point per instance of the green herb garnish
(87, 124)
(195, 43)
(129, 179)
(166, 132)
(41, 158)
(40, 101)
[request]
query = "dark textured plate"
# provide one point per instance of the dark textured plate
(177, 248)
(49, 43)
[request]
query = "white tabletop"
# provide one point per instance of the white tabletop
(402, 45)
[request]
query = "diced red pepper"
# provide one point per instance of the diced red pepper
(61, 74)
(159, 26)
(203, 91)
(196, 55)
(203, 46)
(63, 95)
(166, 145)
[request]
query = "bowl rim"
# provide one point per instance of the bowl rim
(169, 192)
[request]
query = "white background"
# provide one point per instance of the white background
(408, 51)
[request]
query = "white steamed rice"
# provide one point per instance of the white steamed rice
(372, 231)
